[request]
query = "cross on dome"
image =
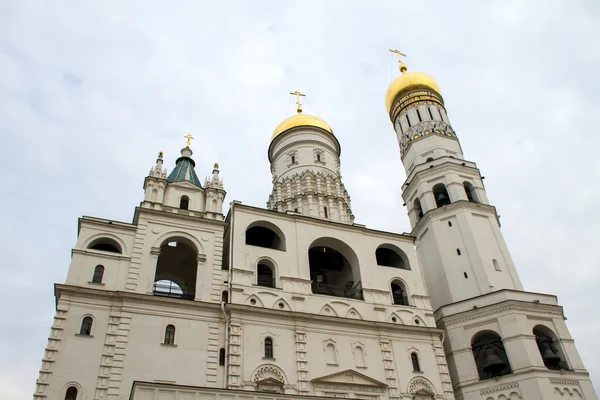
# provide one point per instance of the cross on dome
(400, 60)
(298, 103)
(189, 138)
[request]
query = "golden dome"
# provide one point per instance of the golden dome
(300, 120)
(408, 82)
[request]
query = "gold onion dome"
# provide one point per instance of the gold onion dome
(407, 82)
(300, 120)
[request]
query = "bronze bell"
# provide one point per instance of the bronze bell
(442, 199)
(492, 364)
(548, 354)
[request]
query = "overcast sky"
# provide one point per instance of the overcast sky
(90, 91)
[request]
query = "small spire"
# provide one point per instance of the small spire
(402, 66)
(189, 138)
(298, 103)
(158, 169)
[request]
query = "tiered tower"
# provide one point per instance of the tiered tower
(305, 164)
(495, 329)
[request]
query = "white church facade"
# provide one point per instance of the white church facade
(297, 300)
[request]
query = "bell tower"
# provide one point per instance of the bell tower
(501, 340)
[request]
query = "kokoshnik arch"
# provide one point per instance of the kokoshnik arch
(298, 299)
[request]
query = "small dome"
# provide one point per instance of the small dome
(300, 120)
(408, 82)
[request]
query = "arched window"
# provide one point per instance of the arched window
(222, 356)
(470, 191)
(86, 326)
(331, 354)
(268, 348)
(105, 244)
(293, 159)
(418, 209)
(170, 335)
(549, 348)
(429, 159)
(389, 257)
(325, 213)
(265, 234)
(441, 195)
(264, 276)
(399, 293)
(184, 202)
(98, 274)
(225, 297)
(71, 393)
(415, 362)
(359, 356)
(176, 269)
(490, 355)
(318, 157)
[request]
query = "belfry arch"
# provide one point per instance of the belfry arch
(176, 269)
(334, 269)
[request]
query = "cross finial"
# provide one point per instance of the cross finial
(189, 138)
(298, 103)
(400, 61)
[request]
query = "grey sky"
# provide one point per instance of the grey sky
(90, 91)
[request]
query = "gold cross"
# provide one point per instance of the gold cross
(400, 55)
(189, 138)
(298, 103)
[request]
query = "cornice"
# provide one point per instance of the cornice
(440, 170)
(162, 213)
(430, 215)
(500, 388)
(103, 254)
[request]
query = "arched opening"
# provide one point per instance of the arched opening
(225, 297)
(359, 356)
(86, 326)
(98, 274)
(264, 274)
(418, 209)
(170, 335)
(440, 195)
(414, 358)
(490, 356)
(318, 157)
(325, 212)
(184, 202)
(334, 269)
(399, 294)
(265, 234)
(429, 159)
(176, 270)
(222, 356)
(105, 244)
(391, 256)
(470, 191)
(549, 348)
(268, 343)
(331, 354)
(71, 393)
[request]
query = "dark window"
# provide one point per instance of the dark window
(449, 223)
(419, 115)
(293, 159)
(549, 350)
(318, 157)
(440, 112)
(415, 362)
(325, 212)
(458, 252)
(222, 356)
(399, 294)
(490, 356)
(408, 120)
(264, 276)
(430, 114)
(225, 296)
(184, 203)
(264, 237)
(170, 334)
(470, 191)
(86, 326)
(268, 348)
(441, 195)
(466, 276)
(418, 209)
(429, 159)
(71, 393)
(105, 244)
(98, 274)
(389, 258)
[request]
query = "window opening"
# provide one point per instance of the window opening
(222, 356)
(458, 252)
(430, 114)
(325, 212)
(170, 334)
(415, 362)
(98, 274)
(419, 115)
(318, 157)
(176, 270)
(429, 159)
(466, 276)
(184, 202)
(225, 297)
(268, 348)
(408, 120)
(71, 393)
(332, 273)
(549, 349)
(418, 208)
(490, 356)
(262, 236)
(470, 191)
(86, 326)
(399, 294)
(441, 195)
(440, 112)
(293, 159)
(264, 276)
(389, 258)
(449, 223)
(105, 244)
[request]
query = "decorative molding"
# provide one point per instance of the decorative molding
(267, 372)
(451, 208)
(565, 382)
(500, 388)
(421, 385)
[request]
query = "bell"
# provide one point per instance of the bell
(492, 364)
(548, 354)
(442, 199)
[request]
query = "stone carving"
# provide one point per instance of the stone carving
(420, 385)
(269, 372)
